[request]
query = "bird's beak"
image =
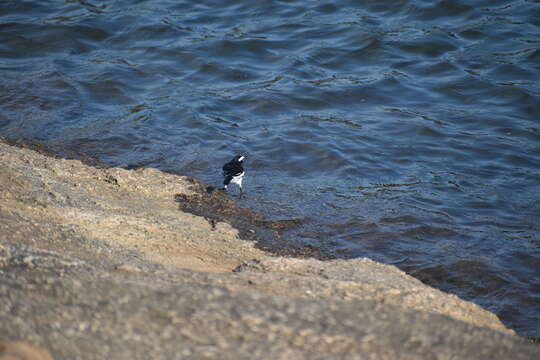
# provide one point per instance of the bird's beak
(241, 158)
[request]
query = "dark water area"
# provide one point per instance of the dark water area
(404, 131)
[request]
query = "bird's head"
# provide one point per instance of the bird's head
(239, 158)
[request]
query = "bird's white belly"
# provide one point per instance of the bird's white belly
(238, 179)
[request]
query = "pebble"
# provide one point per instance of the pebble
(22, 351)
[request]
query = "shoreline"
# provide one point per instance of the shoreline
(76, 235)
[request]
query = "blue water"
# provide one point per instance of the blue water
(405, 131)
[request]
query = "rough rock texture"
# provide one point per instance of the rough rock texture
(100, 263)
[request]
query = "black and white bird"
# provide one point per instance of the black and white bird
(233, 172)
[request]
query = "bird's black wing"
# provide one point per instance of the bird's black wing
(227, 179)
(232, 169)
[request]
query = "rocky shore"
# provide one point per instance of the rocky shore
(107, 263)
